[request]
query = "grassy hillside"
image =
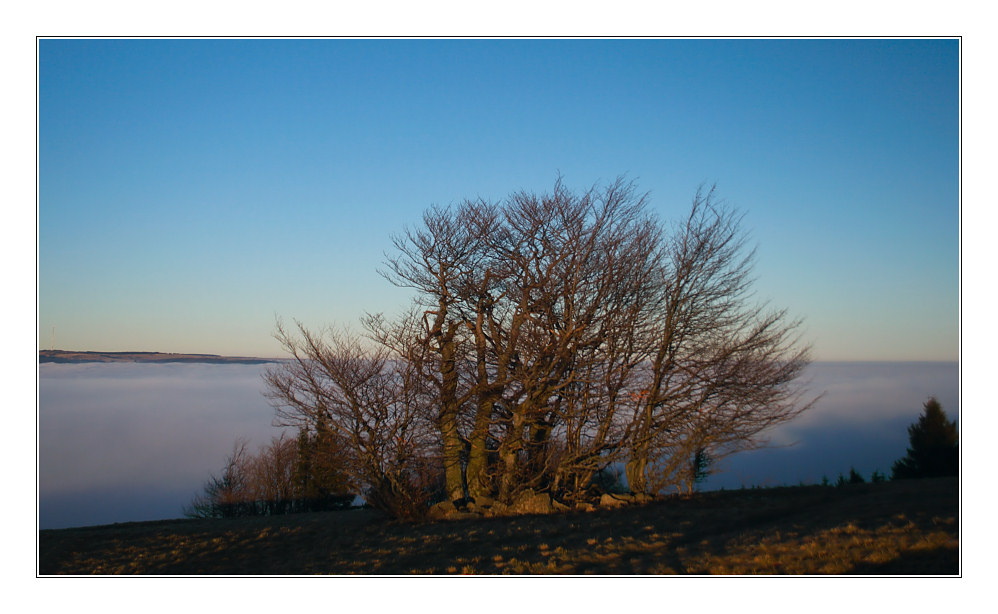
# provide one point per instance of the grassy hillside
(909, 527)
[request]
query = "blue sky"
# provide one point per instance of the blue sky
(191, 190)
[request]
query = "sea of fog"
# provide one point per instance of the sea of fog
(120, 442)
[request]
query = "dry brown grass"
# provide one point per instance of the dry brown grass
(896, 528)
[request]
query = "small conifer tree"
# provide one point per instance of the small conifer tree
(320, 482)
(934, 446)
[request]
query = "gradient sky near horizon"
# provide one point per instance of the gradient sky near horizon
(191, 190)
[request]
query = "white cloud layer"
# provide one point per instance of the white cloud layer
(123, 441)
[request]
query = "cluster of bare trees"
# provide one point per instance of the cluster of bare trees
(550, 337)
(285, 476)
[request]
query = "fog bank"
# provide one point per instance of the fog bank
(860, 422)
(126, 442)
(142, 438)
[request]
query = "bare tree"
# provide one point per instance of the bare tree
(374, 404)
(226, 494)
(550, 337)
(724, 369)
(578, 267)
(250, 485)
(270, 477)
(520, 300)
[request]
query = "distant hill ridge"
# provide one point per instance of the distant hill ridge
(73, 356)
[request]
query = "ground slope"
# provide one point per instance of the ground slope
(895, 528)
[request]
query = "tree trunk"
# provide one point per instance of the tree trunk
(635, 472)
(537, 452)
(478, 483)
(507, 456)
(453, 478)
(478, 453)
